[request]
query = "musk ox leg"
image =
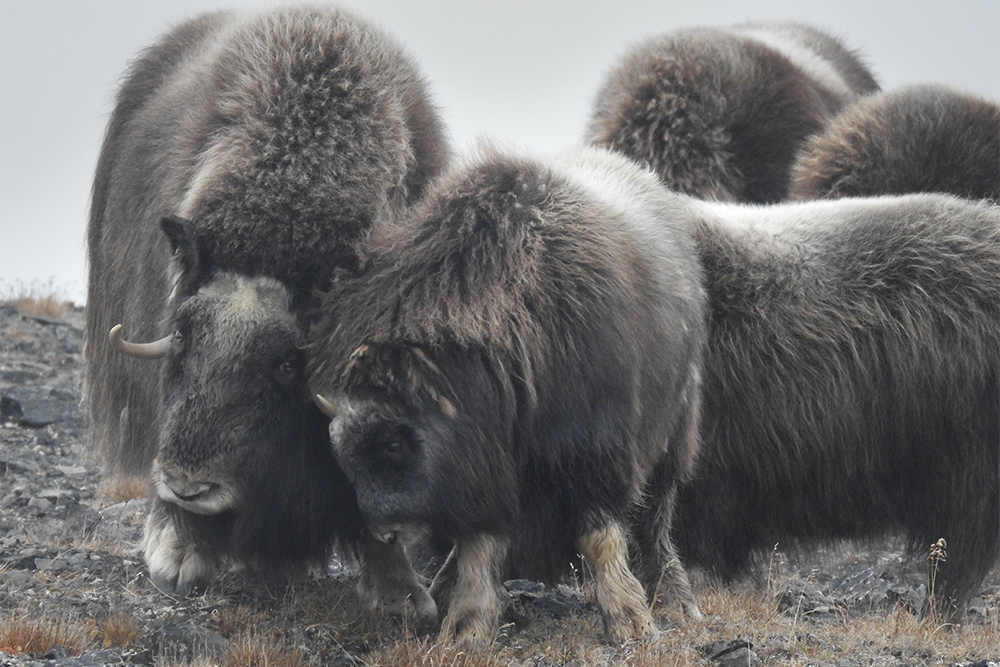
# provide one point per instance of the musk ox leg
(175, 566)
(389, 583)
(476, 597)
(620, 596)
(660, 568)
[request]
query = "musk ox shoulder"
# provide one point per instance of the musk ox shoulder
(719, 113)
(852, 383)
(516, 368)
(246, 157)
(917, 139)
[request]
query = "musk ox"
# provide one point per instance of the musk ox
(516, 368)
(852, 383)
(719, 113)
(917, 139)
(246, 157)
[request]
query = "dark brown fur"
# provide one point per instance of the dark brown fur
(720, 113)
(917, 139)
(516, 369)
(852, 384)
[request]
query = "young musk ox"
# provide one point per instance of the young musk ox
(516, 368)
(719, 113)
(918, 139)
(852, 383)
(246, 157)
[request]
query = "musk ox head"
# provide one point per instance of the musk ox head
(239, 432)
(408, 434)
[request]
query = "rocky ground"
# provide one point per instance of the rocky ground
(74, 590)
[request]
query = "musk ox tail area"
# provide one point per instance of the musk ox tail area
(852, 384)
(916, 139)
(515, 367)
(719, 113)
(284, 136)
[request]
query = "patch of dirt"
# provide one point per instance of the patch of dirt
(71, 571)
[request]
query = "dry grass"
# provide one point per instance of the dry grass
(38, 636)
(119, 630)
(255, 651)
(120, 488)
(36, 298)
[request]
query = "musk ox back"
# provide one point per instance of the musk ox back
(719, 113)
(852, 383)
(246, 158)
(916, 139)
(516, 368)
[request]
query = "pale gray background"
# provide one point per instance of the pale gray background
(522, 71)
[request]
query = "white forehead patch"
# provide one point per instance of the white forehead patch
(347, 412)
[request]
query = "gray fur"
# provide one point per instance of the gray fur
(852, 383)
(719, 113)
(925, 138)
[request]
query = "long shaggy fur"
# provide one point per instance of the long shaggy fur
(279, 139)
(852, 383)
(719, 113)
(284, 136)
(516, 368)
(916, 139)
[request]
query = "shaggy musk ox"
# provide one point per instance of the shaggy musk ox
(852, 383)
(916, 139)
(246, 157)
(516, 368)
(719, 113)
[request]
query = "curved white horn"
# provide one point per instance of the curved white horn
(153, 350)
(325, 406)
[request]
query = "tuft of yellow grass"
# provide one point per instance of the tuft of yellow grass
(119, 488)
(254, 651)
(38, 636)
(119, 630)
(36, 298)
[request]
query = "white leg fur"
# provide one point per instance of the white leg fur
(174, 567)
(476, 600)
(619, 594)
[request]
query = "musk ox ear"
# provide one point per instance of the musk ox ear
(190, 258)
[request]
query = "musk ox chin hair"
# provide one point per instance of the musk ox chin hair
(719, 113)
(925, 138)
(852, 384)
(515, 367)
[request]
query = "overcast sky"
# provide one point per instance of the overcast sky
(521, 71)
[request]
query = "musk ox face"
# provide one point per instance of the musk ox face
(234, 392)
(412, 456)
(386, 458)
(236, 406)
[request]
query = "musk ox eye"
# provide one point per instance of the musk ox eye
(286, 371)
(392, 449)
(178, 338)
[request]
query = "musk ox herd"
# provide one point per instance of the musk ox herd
(313, 331)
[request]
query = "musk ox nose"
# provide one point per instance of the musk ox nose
(187, 490)
(193, 492)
